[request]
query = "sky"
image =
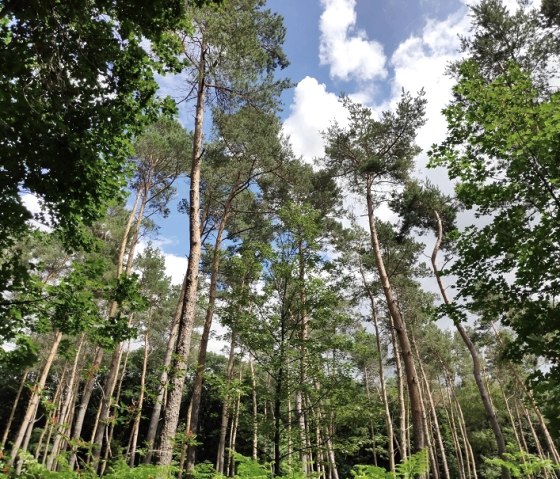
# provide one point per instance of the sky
(367, 49)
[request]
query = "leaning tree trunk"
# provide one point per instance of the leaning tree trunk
(400, 328)
(384, 397)
(13, 410)
(179, 365)
(433, 413)
(65, 410)
(529, 396)
(35, 399)
(477, 369)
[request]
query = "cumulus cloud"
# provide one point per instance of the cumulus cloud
(312, 111)
(420, 62)
(346, 49)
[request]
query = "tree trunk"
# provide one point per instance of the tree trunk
(35, 399)
(179, 365)
(529, 395)
(225, 410)
(138, 412)
(469, 456)
(84, 402)
(255, 421)
(433, 413)
(477, 370)
(402, 335)
(384, 398)
(234, 426)
(64, 425)
(171, 344)
(400, 386)
(302, 363)
(202, 350)
(13, 410)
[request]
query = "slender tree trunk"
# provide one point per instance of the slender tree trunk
(277, 419)
(138, 412)
(35, 399)
(13, 410)
(529, 396)
(64, 425)
(384, 397)
(371, 425)
(255, 421)
(171, 344)
(179, 365)
(225, 410)
(53, 418)
(105, 406)
(469, 456)
(234, 427)
(477, 369)
(400, 328)
(304, 333)
(202, 350)
(400, 386)
(433, 413)
(448, 407)
(110, 430)
(84, 402)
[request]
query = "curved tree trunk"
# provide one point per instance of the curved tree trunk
(477, 369)
(400, 328)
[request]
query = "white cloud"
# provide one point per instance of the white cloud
(347, 50)
(313, 110)
(34, 206)
(420, 62)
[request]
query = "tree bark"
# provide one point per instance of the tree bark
(13, 410)
(384, 398)
(64, 425)
(171, 344)
(255, 421)
(402, 335)
(34, 400)
(225, 410)
(138, 411)
(179, 365)
(203, 348)
(433, 413)
(477, 369)
(400, 386)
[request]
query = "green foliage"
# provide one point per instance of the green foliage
(77, 84)
(410, 468)
(520, 464)
(502, 150)
(32, 469)
(247, 468)
(376, 150)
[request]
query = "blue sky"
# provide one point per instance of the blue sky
(367, 49)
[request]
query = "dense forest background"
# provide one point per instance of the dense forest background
(336, 364)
